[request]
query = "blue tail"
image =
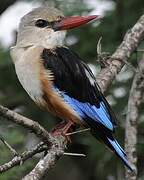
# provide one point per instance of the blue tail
(115, 147)
(100, 120)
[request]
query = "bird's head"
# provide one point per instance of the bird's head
(47, 27)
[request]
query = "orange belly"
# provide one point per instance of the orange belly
(54, 103)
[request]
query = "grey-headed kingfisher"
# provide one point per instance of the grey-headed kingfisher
(57, 79)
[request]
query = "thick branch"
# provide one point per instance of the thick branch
(129, 44)
(25, 122)
(41, 169)
(56, 144)
(135, 99)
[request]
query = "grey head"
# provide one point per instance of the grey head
(37, 28)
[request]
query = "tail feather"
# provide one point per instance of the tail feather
(120, 147)
(106, 137)
(114, 146)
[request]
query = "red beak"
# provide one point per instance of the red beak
(72, 22)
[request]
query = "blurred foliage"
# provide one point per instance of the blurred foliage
(99, 163)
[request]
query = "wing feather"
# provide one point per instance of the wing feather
(78, 85)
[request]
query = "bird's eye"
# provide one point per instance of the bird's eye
(59, 18)
(41, 23)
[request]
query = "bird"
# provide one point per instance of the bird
(58, 80)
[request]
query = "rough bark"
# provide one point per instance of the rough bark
(19, 159)
(135, 100)
(48, 162)
(129, 44)
(31, 125)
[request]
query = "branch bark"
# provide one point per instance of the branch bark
(48, 162)
(31, 125)
(105, 77)
(20, 159)
(55, 149)
(129, 44)
(135, 100)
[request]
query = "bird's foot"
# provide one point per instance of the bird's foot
(62, 129)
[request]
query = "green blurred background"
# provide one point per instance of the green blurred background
(99, 164)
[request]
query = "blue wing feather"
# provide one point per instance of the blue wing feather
(85, 110)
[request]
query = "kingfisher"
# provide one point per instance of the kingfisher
(58, 80)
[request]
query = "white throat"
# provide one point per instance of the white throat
(46, 38)
(54, 39)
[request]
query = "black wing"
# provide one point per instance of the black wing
(74, 77)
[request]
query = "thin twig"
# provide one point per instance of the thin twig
(99, 46)
(74, 154)
(21, 158)
(128, 64)
(103, 57)
(77, 132)
(9, 146)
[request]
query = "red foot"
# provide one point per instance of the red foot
(63, 128)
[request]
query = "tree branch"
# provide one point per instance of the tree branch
(8, 146)
(129, 44)
(19, 159)
(31, 125)
(48, 162)
(56, 144)
(135, 100)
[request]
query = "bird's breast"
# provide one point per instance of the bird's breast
(39, 85)
(28, 71)
(28, 76)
